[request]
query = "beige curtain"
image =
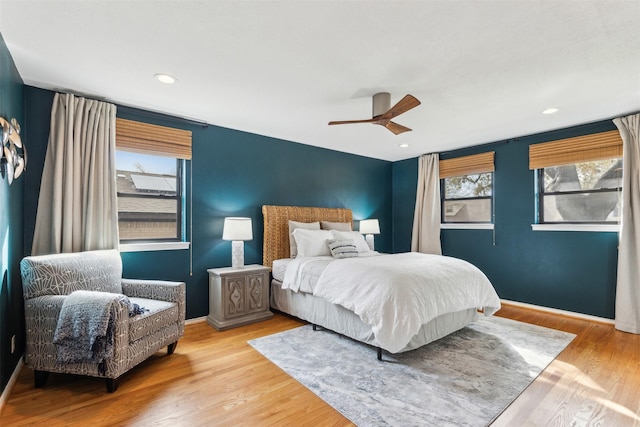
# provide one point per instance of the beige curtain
(628, 286)
(77, 208)
(426, 219)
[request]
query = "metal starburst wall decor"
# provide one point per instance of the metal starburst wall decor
(13, 155)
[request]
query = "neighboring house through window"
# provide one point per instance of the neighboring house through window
(149, 196)
(150, 162)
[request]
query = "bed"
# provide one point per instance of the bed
(338, 314)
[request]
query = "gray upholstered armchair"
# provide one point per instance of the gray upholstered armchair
(142, 315)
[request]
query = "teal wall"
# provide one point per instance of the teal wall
(405, 180)
(234, 174)
(574, 271)
(11, 225)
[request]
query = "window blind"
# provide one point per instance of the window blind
(152, 139)
(467, 165)
(587, 148)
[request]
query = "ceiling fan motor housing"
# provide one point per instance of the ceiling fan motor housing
(381, 103)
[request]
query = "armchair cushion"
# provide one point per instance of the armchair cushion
(159, 315)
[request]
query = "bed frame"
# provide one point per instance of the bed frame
(319, 312)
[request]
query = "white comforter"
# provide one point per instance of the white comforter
(395, 294)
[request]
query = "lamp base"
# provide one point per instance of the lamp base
(237, 254)
(369, 239)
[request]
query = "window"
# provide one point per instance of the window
(150, 161)
(586, 192)
(149, 196)
(467, 198)
(467, 189)
(578, 179)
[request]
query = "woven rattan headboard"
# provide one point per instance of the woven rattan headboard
(276, 226)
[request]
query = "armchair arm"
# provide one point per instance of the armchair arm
(154, 289)
(157, 289)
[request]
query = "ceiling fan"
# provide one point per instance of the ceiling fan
(382, 114)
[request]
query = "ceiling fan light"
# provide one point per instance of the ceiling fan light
(405, 145)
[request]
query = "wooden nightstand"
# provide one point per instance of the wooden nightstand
(238, 296)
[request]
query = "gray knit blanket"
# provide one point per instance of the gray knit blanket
(86, 324)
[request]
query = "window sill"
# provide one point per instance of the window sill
(612, 228)
(153, 246)
(466, 226)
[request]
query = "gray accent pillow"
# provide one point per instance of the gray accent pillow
(342, 248)
(293, 247)
(340, 226)
(358, 239)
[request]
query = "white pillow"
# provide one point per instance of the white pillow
(357, 238)
(293, 248)
(312, 242)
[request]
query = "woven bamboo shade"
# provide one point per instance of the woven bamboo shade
(467, 165)
(152, 139)
(587, 148)
(276, 242)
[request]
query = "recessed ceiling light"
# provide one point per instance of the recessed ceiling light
(550, 111)
(165, 78)
(403, 145)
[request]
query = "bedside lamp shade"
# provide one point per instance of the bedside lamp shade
(237, 230)
(369, 227)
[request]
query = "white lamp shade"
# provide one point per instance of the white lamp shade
(369, 226)
(236, 228)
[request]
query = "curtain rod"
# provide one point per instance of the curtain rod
(139, 110)
(157, 114)
(505, 141)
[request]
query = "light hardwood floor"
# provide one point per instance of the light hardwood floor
(217, 379)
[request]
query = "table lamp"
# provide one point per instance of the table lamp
(237, 230)
(369, 227)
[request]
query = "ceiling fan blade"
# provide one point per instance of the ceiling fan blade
(396, 128)
(346, 122)
(404, 105)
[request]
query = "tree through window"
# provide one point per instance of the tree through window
(581, 192)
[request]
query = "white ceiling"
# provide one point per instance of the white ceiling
(484, 70)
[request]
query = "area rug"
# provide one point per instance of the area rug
(465, 379)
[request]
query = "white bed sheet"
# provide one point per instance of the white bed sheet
(338, 319)
(395, 294)
(279, 268)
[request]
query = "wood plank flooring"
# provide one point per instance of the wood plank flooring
(217, 379)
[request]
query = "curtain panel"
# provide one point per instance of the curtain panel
(627, 317)
(426, 220)
(77, 205)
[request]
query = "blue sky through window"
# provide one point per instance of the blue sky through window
(129, 161)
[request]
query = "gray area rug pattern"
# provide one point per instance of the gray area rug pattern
(465, 379)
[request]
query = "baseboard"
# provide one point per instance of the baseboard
(558, 311)
(12, 381)
(195, 320)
